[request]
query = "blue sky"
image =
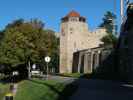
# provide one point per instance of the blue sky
(51, 11)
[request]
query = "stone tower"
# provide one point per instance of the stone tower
(73, 37)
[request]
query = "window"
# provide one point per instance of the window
(73, 19)
(71, 30)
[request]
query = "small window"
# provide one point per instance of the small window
(74, 19)
(71, 30)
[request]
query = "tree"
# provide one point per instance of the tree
(108, 24)
(109, 39)
(37, 23)
(15, 23)
(24, 41)
(108, 21)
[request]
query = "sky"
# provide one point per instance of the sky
(51, 11)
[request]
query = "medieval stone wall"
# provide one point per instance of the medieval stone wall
(91, 60)
(75, 36)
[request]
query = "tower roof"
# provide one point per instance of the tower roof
(73, 14)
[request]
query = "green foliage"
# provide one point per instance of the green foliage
(23, 41)
(15, 23)
(4, 88)
(108, 23)
(109, 39)
(41, 90)
(37, 23)
(75, 75)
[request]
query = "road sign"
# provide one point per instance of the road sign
(34, 66)
(47, 59)
(15, 73)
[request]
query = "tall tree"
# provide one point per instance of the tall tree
(37, 23)
(109, 24)
(25, 41)
(15, 23)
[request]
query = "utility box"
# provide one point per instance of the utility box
(9, 96)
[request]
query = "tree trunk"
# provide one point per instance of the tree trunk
(29, 70)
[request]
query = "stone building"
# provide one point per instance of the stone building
(91, 60)
(75, 36)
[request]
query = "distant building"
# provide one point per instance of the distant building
(75, 36)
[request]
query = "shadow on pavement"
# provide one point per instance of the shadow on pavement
(96, 89)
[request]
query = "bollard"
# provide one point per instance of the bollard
(11, 87)
(9, 96)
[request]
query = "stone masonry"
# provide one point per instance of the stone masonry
(75, 36)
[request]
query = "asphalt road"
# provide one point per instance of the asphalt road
(102, 90)
(66, 80)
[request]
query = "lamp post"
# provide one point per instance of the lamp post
(47, 60)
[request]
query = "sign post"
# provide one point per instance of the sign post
(47, 60)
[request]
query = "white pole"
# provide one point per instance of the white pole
(114, 21)
(122, 10)
(47, 71)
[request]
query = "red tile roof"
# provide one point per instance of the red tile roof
(73, 14)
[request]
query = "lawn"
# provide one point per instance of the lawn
(36, 89)
(75, 75)
(4, 88)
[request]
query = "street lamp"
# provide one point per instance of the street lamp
(47, 60)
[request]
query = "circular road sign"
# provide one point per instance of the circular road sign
(34, 66)
(47, 59)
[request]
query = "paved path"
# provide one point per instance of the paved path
(62, 79)
(66, 80)
(102, 90)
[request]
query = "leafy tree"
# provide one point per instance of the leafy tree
(37, 23)
(108, 24)
(108, 21)
(109, 39)
(1, 35)
(24, 41)
(15, 23)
